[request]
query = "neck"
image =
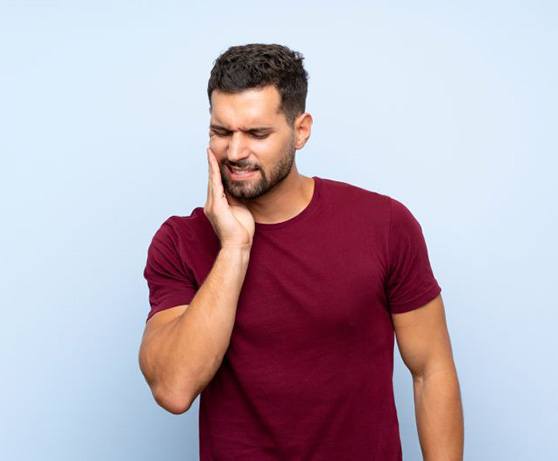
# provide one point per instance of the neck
(287, 199)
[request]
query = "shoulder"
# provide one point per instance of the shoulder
(357, 195)
(178, 229)
(188, 223)
(401, 217)
(385, 214)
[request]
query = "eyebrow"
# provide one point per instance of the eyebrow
(250, 130)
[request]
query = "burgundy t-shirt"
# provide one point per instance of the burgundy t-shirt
(308, 372)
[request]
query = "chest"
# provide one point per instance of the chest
(299, 291)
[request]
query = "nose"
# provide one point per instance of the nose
(238, 147)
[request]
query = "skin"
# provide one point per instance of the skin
(424, 344)
(277, 192)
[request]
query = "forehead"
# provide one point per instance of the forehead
(254, 106)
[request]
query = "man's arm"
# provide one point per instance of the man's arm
(424, 344)
(182, 347)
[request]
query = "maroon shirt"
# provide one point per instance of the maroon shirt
(308, 372)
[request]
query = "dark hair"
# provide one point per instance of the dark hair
(257, 65)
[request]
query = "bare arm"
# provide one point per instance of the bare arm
(425, 347)
(183, 347)
(180, 354)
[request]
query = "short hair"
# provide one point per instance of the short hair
(257, 65)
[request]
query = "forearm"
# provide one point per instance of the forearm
(439, 415)
(185, 354)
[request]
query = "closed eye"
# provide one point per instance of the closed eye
(215, 133)
(254, 135)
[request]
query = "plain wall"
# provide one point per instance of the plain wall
(450, 108)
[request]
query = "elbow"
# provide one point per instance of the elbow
(175, 401)
(176, 404)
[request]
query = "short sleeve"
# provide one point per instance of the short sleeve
(410, 282)
(169, 280)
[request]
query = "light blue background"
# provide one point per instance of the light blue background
(449, 107)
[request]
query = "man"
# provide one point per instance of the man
(279, 299)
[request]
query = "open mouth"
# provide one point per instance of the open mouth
(241, 174)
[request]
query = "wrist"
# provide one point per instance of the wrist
(235, 250)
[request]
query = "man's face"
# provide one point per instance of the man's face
(248, 132)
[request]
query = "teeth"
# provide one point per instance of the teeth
(237, 170)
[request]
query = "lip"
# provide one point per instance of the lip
(241, 176)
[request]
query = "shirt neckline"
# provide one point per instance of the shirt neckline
(308, 210)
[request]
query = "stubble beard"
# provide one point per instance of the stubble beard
(252, 189)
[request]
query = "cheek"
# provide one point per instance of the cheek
(216, 144)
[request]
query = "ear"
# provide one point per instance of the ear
(303, 128)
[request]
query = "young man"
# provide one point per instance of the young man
(279, 299)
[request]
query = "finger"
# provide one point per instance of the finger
(217, 185)
(209, 180)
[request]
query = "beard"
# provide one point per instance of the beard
(251, 189)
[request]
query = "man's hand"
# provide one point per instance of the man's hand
(231, 220)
